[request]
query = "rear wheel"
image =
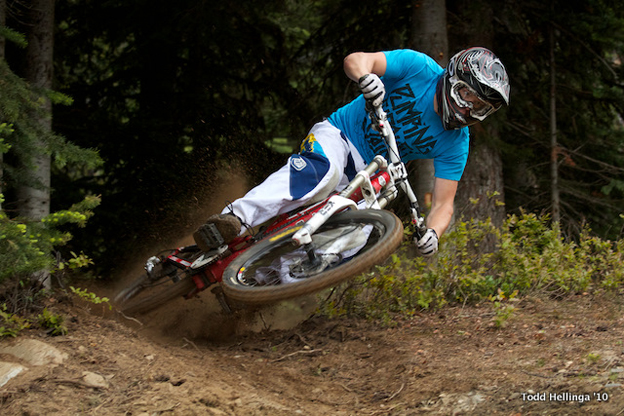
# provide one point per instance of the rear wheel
(348, 244)
(149, 291)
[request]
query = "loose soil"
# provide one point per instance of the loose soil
(560, 357)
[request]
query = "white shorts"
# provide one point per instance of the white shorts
(326, 161)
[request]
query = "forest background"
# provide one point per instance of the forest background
(153, 101)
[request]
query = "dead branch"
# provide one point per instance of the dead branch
(296, 353)
(396, 393)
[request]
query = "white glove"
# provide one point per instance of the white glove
(428, 244)
(372, 89)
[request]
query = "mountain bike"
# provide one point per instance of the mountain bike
(298, 253)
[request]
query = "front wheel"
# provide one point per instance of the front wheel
(347, 244)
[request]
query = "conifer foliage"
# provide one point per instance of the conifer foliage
(169, 92)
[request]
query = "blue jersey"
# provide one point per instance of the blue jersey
(410, 81)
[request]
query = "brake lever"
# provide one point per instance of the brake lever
(420, 230)
(378, 118)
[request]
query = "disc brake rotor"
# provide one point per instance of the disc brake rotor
(307, 268)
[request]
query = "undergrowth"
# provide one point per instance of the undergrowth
(37, 314)
(527, 255)
(27, 247)
(29, 255)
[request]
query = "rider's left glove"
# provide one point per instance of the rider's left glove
(428, 244)
(372, 88)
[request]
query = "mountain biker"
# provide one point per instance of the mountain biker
(430, 109)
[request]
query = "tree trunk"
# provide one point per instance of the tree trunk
(428, 36)
(2, 45)
(429, 29)
(2, 23)
(554, 168)
(480, 194)
(34, 203)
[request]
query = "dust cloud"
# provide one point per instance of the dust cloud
(202, 318)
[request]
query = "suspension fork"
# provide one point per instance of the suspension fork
(310, 250)
(378, 116)
(342, 201)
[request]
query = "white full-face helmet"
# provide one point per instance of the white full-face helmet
(474, 85)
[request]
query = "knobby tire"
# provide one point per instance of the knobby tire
(144, 294)
(151, 298)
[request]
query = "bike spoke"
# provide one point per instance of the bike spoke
(288, 265)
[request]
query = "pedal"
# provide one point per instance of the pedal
(207, 237)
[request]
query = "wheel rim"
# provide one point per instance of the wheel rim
(287, 264)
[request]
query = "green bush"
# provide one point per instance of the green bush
(11, 324)
(27, 247)
(53, 322)
(529, 255)
(91, 297)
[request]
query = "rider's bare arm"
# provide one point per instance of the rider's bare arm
(442, 205)
(361, 63)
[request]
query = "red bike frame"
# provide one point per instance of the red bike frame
(212, 273)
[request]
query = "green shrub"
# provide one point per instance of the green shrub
(27, 247)
(55, 323)
(529, 255)
(91, 297)
(11, 324)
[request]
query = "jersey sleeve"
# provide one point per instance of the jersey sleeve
(406, 62)
(452, 157)
(451, 169)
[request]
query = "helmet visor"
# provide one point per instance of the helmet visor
(466, 97)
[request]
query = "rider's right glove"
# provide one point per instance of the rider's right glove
(372, 88)
(428, 244)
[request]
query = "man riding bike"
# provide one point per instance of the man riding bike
(431, 109)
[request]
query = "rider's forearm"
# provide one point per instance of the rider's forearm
(442, 205)
(359, 64)
(439, 219)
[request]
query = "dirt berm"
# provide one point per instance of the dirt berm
(552, 358)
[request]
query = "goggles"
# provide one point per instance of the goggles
(466, 97)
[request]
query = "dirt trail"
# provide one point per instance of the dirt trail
(553, 358)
